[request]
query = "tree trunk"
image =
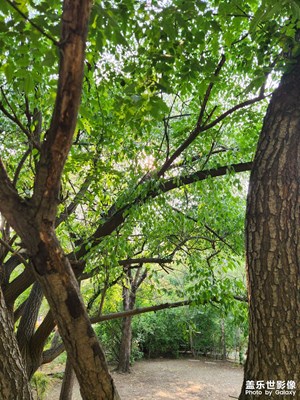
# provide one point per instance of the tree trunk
(13, 379)
(34, 219)
(31, 352)
(125, 346)
(273, 246)
(54, 273)
(191, 340)
(68, 382)
(223, 340)
(129, 297)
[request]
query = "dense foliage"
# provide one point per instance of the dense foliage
(172, 103)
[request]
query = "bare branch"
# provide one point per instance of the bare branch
(137, 311)
(145, 260)
(173, 183)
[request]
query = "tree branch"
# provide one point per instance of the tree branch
(38, 28)
(52, 353)
(173, 183)
(209, 89)
(18, 286)
(14, 252)
(118, 217)
(74, 203)
(145, 260)
(12, 206)
(13, 117)
(20, 166)
(137, 311)
(199, 124)
(143, 310)
(202, 128)
(58, 138)
(232, 110)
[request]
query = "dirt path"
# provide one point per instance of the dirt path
(175, 380)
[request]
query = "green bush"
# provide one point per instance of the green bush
(160, 334)
(40, 383)
(169, 332)
(109, 334)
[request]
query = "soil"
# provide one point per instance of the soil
(183, 379)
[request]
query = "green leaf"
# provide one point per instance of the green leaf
(28, 83)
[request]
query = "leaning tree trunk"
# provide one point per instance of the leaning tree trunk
(34, 219)
(273, 248)
(13, 379)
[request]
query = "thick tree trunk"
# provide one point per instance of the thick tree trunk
(273, 248)
(60, 286)
(13, 379)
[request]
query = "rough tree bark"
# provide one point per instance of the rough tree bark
(273, 245)
(30, 351)
(13, 379)
(34, 219)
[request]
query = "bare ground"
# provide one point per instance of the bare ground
(184, 379)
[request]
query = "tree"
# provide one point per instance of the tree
(272, 234)
(13, 378)
(159, 124)
(34, 219)
(271, 227)
(130, 288)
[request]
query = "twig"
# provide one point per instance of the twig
(209, 89)
(13, 117)
(176, 116)
(38, 28)
(232, 110)
(220, 238)
(20, 165)
(196, 131)
(8, 247)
